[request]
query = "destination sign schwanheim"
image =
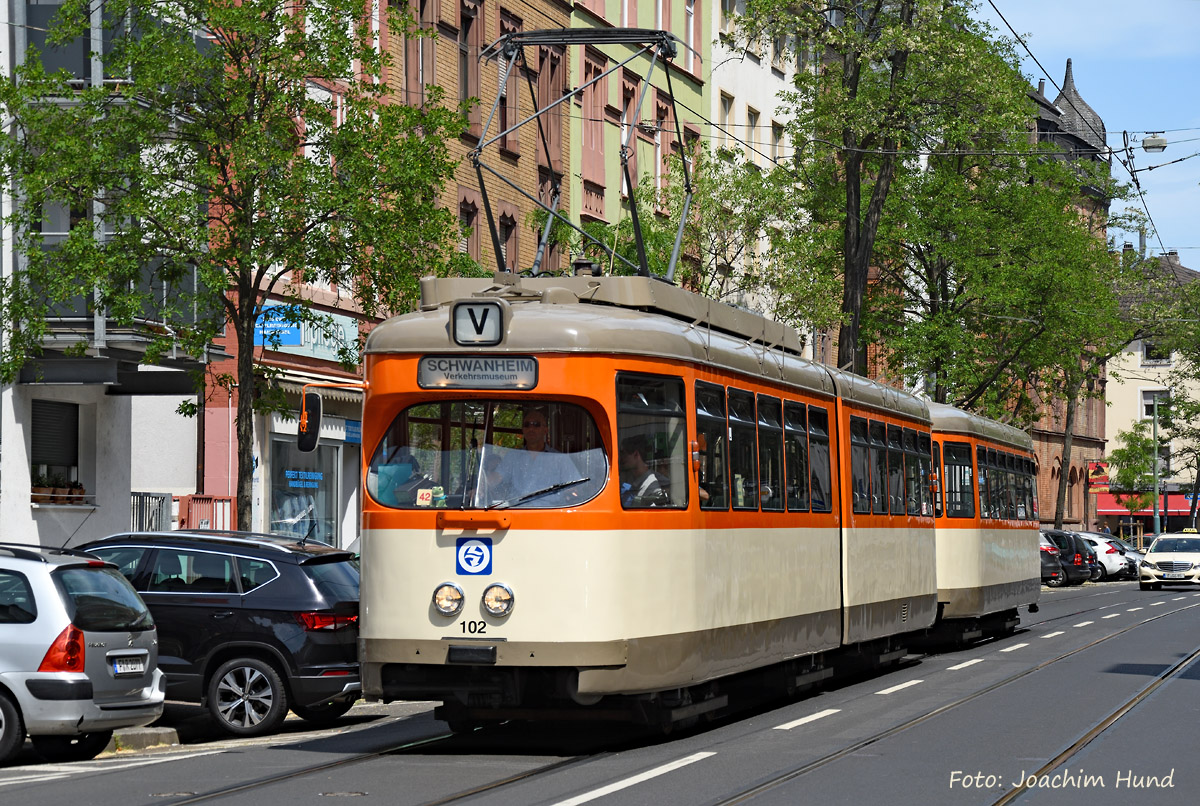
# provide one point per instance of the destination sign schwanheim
(477, 372)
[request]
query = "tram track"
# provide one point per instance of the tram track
(779, 779)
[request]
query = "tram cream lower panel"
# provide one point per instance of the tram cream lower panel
(660, 608)
(889, 580)
(982, 571)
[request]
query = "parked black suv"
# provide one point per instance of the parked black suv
(248, 624)
(1077, 557)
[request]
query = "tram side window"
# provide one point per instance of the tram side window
(743, 449)
(712, 433)
(1013, 491)
(938, 479)
(915, 474)
(652, 439)
(795, 441)
(818, 458)
(770, 454)
(958, 483)
(996, 484)
(985, 509)
(895, 470)
(860, 479)
(879, 494)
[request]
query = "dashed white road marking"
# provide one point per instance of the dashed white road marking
(634, 780)
(1084, 623)
(1156, 604)
(965, 664)
(1013, 648)
(53, 772)
(1052, 634)
(804, 720)
(1113, 615)
(894, 689)
(1132, 609)
(1178, 598)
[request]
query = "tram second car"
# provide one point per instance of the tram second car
(609, 493)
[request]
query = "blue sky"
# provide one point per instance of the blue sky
(1138, 65)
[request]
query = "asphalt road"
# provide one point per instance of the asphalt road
(1094, 700)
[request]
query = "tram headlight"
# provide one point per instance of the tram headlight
(448, 599)
(498, 600)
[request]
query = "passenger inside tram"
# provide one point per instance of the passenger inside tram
(536, 466)
(641, 485)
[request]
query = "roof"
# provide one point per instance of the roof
(1078, 118)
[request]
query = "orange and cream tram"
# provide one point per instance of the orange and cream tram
(987, 521)
(608, 493)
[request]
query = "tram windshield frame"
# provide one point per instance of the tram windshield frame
(474, 454)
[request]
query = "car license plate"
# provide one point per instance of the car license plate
(1174, 575)
(124, 666)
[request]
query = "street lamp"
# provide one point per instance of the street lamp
(1155, 143)
(1156, 461)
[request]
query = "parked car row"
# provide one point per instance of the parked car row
(1072, 558)
(96, 638)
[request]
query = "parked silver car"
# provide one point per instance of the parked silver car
(78, 653)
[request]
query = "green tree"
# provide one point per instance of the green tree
(892, 80)
(1131, 467)
(243, 149)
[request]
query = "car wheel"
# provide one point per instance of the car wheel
(1103, 575)
(246, 697)
(1058, 581)
(323, 713)
(72, 748)
(12, 729)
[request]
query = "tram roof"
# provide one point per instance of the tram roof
(950, 420)
(630, 315)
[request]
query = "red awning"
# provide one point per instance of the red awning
(1180, 505)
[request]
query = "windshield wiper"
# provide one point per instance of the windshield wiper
(538, 493)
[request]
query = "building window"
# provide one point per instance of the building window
(1163, 396)
(629, 99)
(728, 10)
(470, 42)
(689, 34)
(776, 141)
(54, 441)
(511, 93)
(629, 13)
(509, 253)
(419, 52)
(468, 222)
(1153, 354)
(550, 88)
(725, 119)
(752, 117)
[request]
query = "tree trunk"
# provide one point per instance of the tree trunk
(244, 425)
(1065, 466)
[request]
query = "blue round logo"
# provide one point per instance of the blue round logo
(474, 556)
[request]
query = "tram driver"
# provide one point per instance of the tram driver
(641, 485)
(536, 466)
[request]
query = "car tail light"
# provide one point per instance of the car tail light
(1079, 559)
(1111, 551)
(1050, 550)
(326, 621)
(66, 654)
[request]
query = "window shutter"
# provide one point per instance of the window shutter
(55, 433)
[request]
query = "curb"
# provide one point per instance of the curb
(141, 738)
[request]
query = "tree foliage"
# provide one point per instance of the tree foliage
(1131, 467)
(238, 149)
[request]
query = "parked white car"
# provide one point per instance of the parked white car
(1113, 564)
(78, 654)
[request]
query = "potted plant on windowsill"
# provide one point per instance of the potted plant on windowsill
(40, 490)
(77, 493)
(59, 483)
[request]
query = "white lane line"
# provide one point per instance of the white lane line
(965, 664)
(1132, 609)
(1178, 598)
(637, 779)
(1084, 623)
(894, 689)
(1013, 647)
(52, 772)
(1113, 615)
(806, 719)
(1052, 634)
(1156, 604)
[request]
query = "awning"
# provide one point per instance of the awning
(292, 383)
(1179, 503)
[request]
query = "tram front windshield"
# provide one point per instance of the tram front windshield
(489, 454)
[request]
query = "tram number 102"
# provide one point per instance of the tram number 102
(474, 627)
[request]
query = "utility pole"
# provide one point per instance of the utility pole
(1157, 458)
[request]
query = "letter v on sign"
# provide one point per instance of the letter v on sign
(478, 322)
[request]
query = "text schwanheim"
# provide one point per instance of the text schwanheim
(485, 371)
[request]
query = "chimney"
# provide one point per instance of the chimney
(1042, 87)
